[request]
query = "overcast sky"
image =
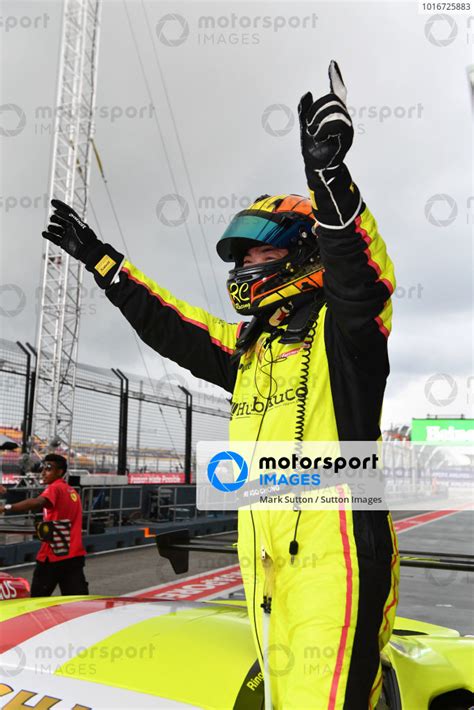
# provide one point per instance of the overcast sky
(220, 128)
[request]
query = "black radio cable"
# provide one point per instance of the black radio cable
(301, 417)
(303, 385)
(272, 380)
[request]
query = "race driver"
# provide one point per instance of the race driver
(310, 365)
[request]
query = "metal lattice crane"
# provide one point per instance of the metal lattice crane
(62, 276)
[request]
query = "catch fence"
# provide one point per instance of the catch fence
(123, 423)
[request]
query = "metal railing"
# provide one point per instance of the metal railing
(110, 506)
(122, 423)
(102, 506)
(113, 506)
(172, 503)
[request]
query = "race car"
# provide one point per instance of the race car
(13, 587)
(123, 652)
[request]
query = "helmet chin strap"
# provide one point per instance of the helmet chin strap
(298, 314)
(302, 317)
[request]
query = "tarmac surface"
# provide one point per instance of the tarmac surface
(439, 596)
(435, 596)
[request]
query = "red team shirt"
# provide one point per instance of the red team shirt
(65, 507)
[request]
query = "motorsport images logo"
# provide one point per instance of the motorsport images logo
(233, 475)
(226, 463)
(238, 461)
(12, 120)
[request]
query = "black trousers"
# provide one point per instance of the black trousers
(69, 574)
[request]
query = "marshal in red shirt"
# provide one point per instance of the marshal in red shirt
(65, 510)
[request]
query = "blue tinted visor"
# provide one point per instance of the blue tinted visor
(247, 230)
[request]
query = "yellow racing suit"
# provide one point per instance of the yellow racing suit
(334, 602)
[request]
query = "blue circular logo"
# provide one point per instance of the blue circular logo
(239, 462)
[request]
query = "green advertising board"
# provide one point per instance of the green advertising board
(443, 432)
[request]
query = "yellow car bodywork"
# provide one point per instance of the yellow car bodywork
(100, 652)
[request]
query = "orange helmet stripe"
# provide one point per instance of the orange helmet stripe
(296, 203)
(283, 203)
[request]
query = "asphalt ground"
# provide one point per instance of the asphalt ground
(439, 596)
(436, 596)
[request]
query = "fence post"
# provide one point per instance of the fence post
(139, 425)
(24, 438)
(189, 425)
(119, 452)
(123, 422)
(32, 398)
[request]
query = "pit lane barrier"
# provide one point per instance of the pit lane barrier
(115, 517)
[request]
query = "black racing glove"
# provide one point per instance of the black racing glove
(68, 231)
(326, 135)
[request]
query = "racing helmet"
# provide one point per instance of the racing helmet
(282, 221)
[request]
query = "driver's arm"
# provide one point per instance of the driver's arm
(190, 336)
(358, 277)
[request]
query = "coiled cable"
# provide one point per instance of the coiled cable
(302, 390)
(300, 420)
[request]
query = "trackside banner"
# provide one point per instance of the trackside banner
(316, 475)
